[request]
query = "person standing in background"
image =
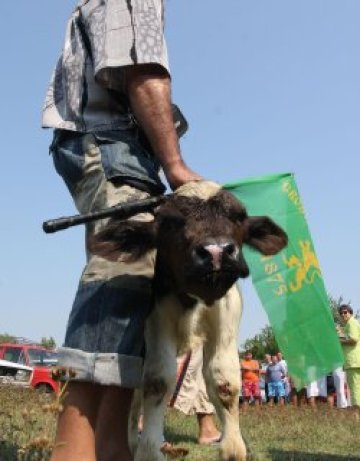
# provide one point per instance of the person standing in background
(192, 399)
(286, 381)
(275, 374)
(250, 376)
(351, 347)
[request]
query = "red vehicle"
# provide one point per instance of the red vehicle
(35, 356)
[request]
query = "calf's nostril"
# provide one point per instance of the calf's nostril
(201, 253)
(229, 249)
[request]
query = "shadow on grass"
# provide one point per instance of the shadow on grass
(279, 455)
(8, 451)
(176, 437)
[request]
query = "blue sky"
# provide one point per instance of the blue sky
(268, 86)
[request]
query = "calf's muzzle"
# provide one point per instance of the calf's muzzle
(214, 254)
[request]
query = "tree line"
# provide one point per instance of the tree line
(47, 342)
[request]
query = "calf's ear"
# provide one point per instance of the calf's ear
(264, 235)
(131, 239)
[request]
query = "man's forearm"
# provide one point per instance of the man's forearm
(348, 341)
(149, 92)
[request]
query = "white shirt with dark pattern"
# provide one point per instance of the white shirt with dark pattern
(86, 92)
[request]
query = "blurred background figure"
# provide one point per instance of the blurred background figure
(191, 397)
(297, 397)
(315, 390)
(286, 382)
(342, 394)
(263, 374)
(350, 341)
(275, 374)
(250, 376)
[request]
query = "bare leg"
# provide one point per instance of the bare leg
(330, 401)
(93, 424)
(75, 437)
(135, 423)
(112, 425)
(311, 401)
(208, 432)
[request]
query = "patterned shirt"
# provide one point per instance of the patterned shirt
(87, 89)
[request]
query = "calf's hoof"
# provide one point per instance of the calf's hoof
(148, 451)
(232, 450)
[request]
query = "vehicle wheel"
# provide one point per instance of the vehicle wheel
(44, 388)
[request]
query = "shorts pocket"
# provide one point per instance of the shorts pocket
(67, 150)
(124, 158)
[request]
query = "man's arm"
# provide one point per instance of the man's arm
(348, 341)
(149, 92)
(352, 334)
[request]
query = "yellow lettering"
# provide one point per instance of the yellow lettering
(293, 196)
(270, 268)
(276, 278)
(281, 290)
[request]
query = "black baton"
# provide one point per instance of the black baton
(122, 211)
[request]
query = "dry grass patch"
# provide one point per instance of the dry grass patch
(28, 420)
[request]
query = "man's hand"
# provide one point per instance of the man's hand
(149, 92)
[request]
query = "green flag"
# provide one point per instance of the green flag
(290, 284)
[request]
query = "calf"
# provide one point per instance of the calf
(198, 233)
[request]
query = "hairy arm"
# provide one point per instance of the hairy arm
(149, 92)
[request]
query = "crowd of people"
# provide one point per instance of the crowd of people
(269, 381)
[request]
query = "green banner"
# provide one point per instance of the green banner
(290, 284)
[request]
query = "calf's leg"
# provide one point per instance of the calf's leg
(222, 371)
(159, 380)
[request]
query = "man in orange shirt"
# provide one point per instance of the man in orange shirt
(250, 374)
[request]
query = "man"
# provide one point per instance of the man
(351, 347)
(109, 102)
(275, 374)
(192, 397)
(286, 382)
(250, 376)
(264, 365)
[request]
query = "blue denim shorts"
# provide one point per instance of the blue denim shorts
(104, 341)
(276, 389)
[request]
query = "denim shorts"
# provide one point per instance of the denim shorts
(104, 341)
(276, 389)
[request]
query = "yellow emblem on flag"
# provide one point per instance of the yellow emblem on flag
(307, 266)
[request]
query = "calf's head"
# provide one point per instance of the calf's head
(199, 233)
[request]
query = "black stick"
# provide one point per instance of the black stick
(122, 211)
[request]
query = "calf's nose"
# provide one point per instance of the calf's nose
(213, 253)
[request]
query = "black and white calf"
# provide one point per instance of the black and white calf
(198, 234)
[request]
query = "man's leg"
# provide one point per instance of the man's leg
(271, 393)
(246, 393)
(256, 393)
(208, 432)
(111, 427)
(75, 437)
(353, 379)
(90, 428)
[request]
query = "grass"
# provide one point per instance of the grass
(27, 427)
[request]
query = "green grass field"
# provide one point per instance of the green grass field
(27, 425)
